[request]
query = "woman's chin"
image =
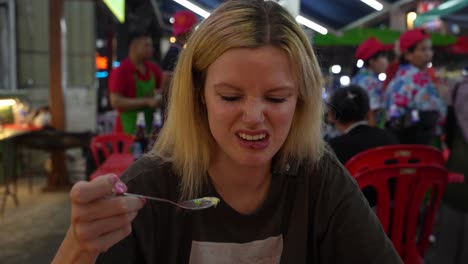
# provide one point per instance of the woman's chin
(253, 161)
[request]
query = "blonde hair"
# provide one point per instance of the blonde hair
(185, 139)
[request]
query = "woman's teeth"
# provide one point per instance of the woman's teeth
(252, 138)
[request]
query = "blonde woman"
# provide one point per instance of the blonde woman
(244, 124)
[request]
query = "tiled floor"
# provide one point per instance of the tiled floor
(33, 231)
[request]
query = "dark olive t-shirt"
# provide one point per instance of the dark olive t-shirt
(312, 214)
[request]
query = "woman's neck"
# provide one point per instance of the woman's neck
(243, 188)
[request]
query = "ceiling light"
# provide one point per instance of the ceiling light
(196, 9)
(345, 80)
(336, 69)
(300, 19)
(359, 63)
(7, 102)
(382, 77)
(312, 25)
(374, 4)
(410, 17)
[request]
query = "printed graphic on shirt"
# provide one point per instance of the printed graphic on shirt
(260, 252)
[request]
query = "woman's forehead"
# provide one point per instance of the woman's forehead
(266, 64)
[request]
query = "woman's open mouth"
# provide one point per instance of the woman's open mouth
(253, 140)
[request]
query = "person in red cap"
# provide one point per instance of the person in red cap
(415, 110)
(184, 21)
(374, 55)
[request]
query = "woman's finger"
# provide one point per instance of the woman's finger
(88, 231)
(104, 242)
(85, 192)
(105, 208)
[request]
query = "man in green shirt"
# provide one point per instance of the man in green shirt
(133, 84)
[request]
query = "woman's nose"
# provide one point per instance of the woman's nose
(253, 112)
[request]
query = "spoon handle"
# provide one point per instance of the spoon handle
(151, 198)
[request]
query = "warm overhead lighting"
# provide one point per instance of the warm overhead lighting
(7, 102)
(382, 77)
(359, 63)
(345, 80)
(410, 17)
(374, 4)
(196, 9)
(172, 39)
(312, 25)
(336, 69)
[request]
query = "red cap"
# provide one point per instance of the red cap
(370, 47)
(183, 22)
(411, 37)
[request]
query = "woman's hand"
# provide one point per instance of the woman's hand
(100, 218)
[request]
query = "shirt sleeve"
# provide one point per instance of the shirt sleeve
(354, 233)
(117, 81)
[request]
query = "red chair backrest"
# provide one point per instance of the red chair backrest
(414, 184)
(110, 143)
(394, 154)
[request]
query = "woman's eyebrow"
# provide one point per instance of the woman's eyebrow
(226, 85)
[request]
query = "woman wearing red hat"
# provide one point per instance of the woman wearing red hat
(414, 108)
(373, 53)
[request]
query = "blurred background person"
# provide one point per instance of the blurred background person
(348, 109)
(133, 84)
(374, 56)
(452, 228)
(184, 21)
(415, 111)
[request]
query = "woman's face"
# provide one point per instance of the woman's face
(250, 96)
(421, 55)
(379, 64)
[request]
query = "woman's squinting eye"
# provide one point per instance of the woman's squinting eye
(230, 98)
(276, 99)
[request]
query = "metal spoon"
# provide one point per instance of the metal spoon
(195, 204)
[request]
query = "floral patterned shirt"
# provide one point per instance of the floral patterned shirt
(413, 89)
(369, 81)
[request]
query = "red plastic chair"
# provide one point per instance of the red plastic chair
(400, 220)
(398, 154)
(110, 143)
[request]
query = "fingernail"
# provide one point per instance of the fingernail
(114, 179)
(143, 200)
(119, 187)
